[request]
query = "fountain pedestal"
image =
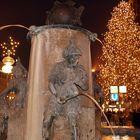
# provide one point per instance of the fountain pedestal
(47, 46)
(16, 124)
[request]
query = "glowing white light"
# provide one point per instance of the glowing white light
(93, 70)
(113, 89)
(122, 89)
(7, 68)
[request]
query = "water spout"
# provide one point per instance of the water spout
(97, 104)
(14, 25)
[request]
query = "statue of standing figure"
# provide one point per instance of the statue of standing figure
(66, 80)
(18, 84)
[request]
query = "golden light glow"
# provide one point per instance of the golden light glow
(7, 68)
(93, 70)
(10, 97)
(9, 47)
(121, 52)
(8, 60)
(8, 50)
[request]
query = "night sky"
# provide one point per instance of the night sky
(33, 12)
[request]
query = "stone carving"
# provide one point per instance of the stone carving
(66, 80)
(98, 92)
(18, 84)
(64, 13)
(99, 96)
(3, 126)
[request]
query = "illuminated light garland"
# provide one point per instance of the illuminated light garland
(121, 52)
(9, 47)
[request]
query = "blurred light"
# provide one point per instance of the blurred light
(114, 97)
(8, 50)
(122, 89)
(8, 62)
(93, 70)
(7, 68)
(113, 89)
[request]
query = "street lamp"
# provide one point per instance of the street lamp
(8, 50)
(8, 61)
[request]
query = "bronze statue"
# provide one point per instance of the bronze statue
(18, 84)
(98, 92)
(64, 13)
(66, 80)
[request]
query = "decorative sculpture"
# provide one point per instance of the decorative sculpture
(98, 92)
(66, 80)
(64, 13)
(18, 84)
(99, 96)
(3, 126)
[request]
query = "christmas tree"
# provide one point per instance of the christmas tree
(120, 61)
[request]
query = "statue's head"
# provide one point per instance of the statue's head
(72, 53)
(19, 70)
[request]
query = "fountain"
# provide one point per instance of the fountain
(48, 43)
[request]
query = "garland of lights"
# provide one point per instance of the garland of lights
(121, 53)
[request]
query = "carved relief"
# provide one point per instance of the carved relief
(65, 79)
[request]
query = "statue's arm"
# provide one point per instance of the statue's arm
(52, 80)
(82, 78)
(52, 88)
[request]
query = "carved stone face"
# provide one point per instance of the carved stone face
(73, 59)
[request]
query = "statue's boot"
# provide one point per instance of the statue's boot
(46, 134)
(74, 133)
(47, 123)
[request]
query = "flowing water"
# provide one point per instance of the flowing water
(113, 136)
(97, 104)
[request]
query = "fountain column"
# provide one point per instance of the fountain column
(46, 50)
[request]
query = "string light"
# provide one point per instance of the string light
(9, 47)
(121, 52)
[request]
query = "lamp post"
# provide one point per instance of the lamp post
(8, 61)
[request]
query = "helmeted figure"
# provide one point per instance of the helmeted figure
(64, 80)
(18, 84)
